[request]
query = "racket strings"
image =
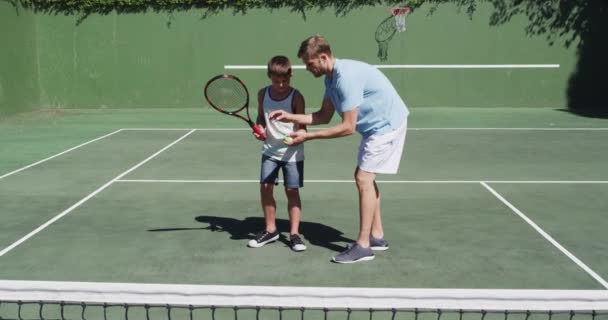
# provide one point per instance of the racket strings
(227, 94)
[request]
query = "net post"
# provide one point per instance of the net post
(147, 308)
(40, 306)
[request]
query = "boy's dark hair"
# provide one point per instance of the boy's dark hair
(279, 66)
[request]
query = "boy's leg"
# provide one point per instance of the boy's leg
(293, 173)
(268, 177)
(269, 206)
(294, 207)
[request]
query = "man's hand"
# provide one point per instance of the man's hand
(296, 138)
(281, 115)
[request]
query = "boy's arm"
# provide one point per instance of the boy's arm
(260, 120)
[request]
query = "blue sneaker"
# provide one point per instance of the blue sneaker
(378, 244)
(355, 253)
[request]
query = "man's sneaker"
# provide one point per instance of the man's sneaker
(355, 253)
(296, 243)
(263, 237)
(378, 244)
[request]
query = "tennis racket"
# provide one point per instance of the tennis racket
(228, 94)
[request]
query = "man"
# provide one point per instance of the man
(367, 103)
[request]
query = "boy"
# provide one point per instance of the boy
(276, 154)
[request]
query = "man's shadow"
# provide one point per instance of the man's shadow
(316, 234)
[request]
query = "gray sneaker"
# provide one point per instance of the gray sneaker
(355, 253)
(378, 244)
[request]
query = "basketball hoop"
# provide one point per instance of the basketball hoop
(400, 13)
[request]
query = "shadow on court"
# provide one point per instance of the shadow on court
(316, 234)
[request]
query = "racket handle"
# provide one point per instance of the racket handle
(257, 129)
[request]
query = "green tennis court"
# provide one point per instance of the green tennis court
(171, 197)
(124, 196)
(171, 205)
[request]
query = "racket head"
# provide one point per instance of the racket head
(227, 93)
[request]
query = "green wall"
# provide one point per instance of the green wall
(19, 87)
(160, 60)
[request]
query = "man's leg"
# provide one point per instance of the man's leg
(377, 230)
(369, 205)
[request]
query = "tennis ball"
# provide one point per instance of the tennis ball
(288, 140)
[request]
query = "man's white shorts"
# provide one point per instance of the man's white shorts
(382, 153)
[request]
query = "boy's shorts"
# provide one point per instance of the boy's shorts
(382, 153)
(293, 172)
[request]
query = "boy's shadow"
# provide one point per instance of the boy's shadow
(315, 233)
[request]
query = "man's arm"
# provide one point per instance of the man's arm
(322, 116)
(345, 128)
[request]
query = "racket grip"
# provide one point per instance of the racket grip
(259, 131)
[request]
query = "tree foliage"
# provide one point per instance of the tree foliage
(553, 18)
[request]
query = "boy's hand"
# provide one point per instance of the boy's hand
(281, 115)
(259, 136)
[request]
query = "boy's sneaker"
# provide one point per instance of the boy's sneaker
(378, 244)
(296, 243)
(263, 237)
(355, 253)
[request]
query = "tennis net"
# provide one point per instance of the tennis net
(87, 300)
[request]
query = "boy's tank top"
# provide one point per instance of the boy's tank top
(276, 130)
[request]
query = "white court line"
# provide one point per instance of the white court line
(409, 129)
(378, 181)
(517, 129)
(170, 129)
(83, 200)
(548, 237)
(420, 66)
(57, 155)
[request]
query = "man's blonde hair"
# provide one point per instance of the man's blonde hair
(313, 46)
